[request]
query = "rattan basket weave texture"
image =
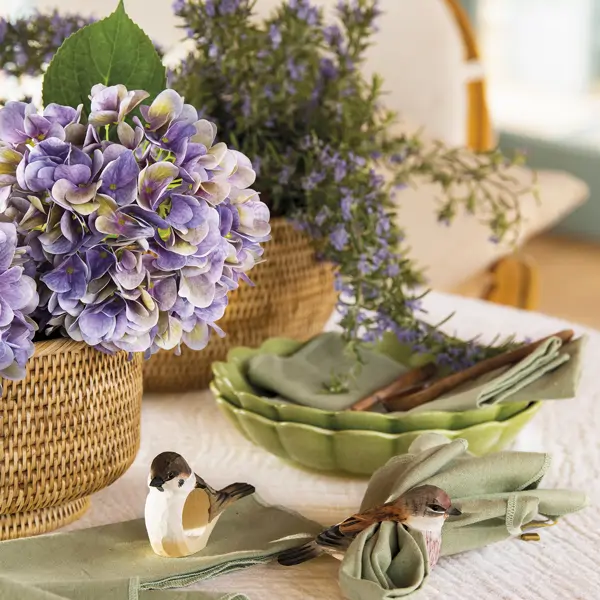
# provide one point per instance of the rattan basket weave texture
(293, 297)
(69, 429)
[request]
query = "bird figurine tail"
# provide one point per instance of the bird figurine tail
(333, 537)
(296, 556)
(233, 493)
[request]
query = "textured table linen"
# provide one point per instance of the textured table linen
(563, 565)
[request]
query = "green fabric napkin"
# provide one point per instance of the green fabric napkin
(497, 495)
(537, 377)
(117, 562)
(302, 377)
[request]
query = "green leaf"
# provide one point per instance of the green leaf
(112, 51)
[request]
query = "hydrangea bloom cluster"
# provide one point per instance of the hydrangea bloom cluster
(303, 105)
(18, 299)
(137, 228)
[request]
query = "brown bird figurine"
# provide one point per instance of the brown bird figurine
(181, 508)
(423, 508)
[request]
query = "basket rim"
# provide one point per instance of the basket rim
(60, 345)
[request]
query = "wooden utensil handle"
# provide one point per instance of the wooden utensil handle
(447, 384)
(407, 380)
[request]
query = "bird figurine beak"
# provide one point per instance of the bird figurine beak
(453, 512)
(157, 483)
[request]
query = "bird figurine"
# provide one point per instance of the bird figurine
(423, 508)
(181, 508)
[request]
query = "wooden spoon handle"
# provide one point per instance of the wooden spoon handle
(410, 379)
(447, 384)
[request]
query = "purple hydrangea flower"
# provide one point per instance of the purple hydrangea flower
(18, 299)
(136, 243)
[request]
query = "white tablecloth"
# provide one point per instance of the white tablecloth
(565, 565)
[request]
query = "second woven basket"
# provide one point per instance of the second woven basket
(294, 297)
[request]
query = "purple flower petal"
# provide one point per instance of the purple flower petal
(63, 115)
(121, 224)
(119, 178)
(99, 261)
(181, 213)
(170, 261)
(198, 290)
(70, 278)
(165, 293)
(197, 339)
(153, 181)
(166, 107)
(12, 123)
(8, 245)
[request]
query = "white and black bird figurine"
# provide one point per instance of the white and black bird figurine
(423, 508)
(181, 508)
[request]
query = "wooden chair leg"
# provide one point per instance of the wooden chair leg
(515, 282)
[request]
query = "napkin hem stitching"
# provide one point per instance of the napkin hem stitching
(134, 587)
(539, 475)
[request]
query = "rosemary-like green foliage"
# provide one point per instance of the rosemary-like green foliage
(289, 92)
(28, 44)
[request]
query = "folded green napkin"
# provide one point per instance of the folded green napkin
(537, 377)
(117, 562)
(497, 495)
(303, 376)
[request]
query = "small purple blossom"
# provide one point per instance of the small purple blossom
(275, 35)
(339, 238)
(328, 69)
(304, 11)
(295, 71)
(209, 7)
(3, 29)
(333, 35)
(178, 6)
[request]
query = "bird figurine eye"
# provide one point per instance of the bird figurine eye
(171, 475)
(436, 508)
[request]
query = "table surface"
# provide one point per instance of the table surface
(564, 565)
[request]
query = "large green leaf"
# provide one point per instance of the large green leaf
(111, 51)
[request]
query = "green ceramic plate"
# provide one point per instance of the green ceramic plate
(359, 452)
(230, 381)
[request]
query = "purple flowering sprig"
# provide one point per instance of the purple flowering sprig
(269, 85)
(349, 214)
(28, 44)
(289, 88)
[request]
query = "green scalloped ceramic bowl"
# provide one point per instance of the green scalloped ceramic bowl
(358, 452)
(230, 382)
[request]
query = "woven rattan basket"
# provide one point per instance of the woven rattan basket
(67, 430)
(294, 297)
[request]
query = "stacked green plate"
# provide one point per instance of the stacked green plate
(346, 441)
